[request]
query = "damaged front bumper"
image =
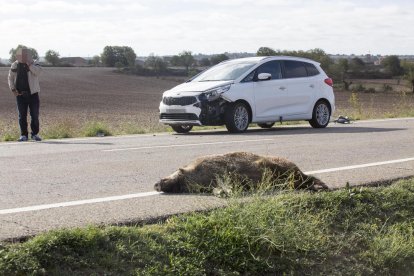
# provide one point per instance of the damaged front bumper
(201, 112)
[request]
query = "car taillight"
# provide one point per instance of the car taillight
(329, 81)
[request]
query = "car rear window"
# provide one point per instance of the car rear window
(311, 69)
(295, 69)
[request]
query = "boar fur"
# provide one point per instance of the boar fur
(205, 171)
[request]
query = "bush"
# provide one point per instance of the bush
(387, 88)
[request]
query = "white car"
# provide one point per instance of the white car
(261, 90)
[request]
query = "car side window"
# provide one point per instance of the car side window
(250, 77)
(311, 69)
(295, 69)
(272, 67)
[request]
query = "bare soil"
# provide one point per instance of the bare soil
(76, 96)
(79, 95)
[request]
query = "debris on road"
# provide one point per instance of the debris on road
(343, 120)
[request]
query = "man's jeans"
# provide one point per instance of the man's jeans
(32, 103)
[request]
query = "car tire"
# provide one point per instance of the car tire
(321, 115)
(266, 125)
(237, 118)
(182, 128)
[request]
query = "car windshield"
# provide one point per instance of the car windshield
(225, 71)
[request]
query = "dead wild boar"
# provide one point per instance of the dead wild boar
(205, 171)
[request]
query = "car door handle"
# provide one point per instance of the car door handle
(282, 88)
(312, 86)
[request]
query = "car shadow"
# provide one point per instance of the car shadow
(297, 130)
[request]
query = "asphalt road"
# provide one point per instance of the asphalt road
(77, 182)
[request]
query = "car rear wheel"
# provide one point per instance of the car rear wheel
(321, 115)
(237, 118)
(182, 128)
(266, 125)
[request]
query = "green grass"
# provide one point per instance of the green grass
(65, 129)
(93, 129)
(353, 231)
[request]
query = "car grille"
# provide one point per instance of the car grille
(179, 116)
(188, 100)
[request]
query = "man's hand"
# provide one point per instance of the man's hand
(29, 64)
(16, 93)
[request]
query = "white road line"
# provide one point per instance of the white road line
(361, 166)
(147, 194)
(75, 203)
(191, 145)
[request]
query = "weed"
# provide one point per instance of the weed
(353, 231)
(93, 129)
(64, 129)
(10, 136)
(356, 105)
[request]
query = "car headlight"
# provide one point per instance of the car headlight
(214, 94)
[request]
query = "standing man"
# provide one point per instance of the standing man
(24, 83)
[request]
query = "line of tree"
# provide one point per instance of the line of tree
(341, 70)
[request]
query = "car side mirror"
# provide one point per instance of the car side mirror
(264, 76)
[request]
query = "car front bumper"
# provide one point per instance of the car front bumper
(180, 115)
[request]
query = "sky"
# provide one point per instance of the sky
(167, 27)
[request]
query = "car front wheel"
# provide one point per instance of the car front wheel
(182, 128)
(237, 118)
(321, 115)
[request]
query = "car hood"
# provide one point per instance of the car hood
(194, 88)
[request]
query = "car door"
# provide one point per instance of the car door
(300, 89)
(269, 95)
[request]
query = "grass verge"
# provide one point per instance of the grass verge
(353, 231)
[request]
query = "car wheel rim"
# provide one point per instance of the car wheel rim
(241, 118)
(322, 114)
(186, 127)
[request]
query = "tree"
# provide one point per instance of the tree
(266, 51)
(218, 58)
(357, 65)
(343, 66)
(52, 57)
(118, 56)
(185, 58)
(130, 56)
(393, 65)
(96, 60)
(205, 62)
(409, 73)
(13, 51)
(339, 72)
(410, 77)
(156, 63)
(175, 60)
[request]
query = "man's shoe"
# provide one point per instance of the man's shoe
(36, 138)
(22, 138)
